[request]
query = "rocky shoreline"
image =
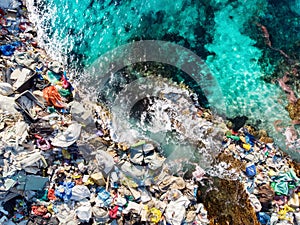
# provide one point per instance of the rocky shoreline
(59, 164)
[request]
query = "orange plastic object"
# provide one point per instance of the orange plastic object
(51, 194)
(52, 97)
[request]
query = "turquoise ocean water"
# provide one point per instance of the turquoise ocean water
(225, 34)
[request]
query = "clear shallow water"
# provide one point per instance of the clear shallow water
(79, 32)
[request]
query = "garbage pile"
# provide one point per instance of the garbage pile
(59, 164)
(268, 175)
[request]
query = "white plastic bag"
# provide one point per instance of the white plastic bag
(80, 192)
(105, 161)
(175, 213)
(84, 213)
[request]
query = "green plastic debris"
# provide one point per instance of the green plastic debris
(233, 137)
(42, 195)
(284, 182)
(53, 78)
(64, 92)
(141, 142)
(280, 188)
(51, 109)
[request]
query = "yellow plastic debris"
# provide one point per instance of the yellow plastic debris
(247, 147)
(66, 154)
(155, 215)
(282, 213)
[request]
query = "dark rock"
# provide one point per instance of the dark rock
(227, 202)
(238, 122)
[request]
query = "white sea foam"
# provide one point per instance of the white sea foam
(44, 16)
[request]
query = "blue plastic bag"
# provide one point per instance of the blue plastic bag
(251, 170)
(9, 49)
(263, 218)
(250, 139)
(64, 191)
(104, 196)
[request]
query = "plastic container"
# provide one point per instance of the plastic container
(27, 103)
(28, 84)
